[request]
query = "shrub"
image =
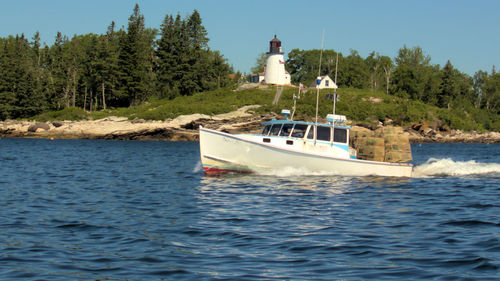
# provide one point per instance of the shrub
(71, 113)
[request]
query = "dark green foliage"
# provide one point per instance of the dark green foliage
(20, 87)
(135, 61)
(185, 65)
(117, 69)
(410, 77)
(70, 113)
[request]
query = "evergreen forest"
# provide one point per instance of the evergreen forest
(120, 68)
(127, 67)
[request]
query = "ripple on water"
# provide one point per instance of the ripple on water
(113, 210)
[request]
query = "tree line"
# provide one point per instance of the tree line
(409, 75)
(117, 69)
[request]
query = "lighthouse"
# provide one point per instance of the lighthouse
(275, 65)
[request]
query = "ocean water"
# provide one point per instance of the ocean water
(144, 210)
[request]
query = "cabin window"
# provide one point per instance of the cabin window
(310, 135)
(327, 83)
(299, 131)
(266, 129)
(275, 129)
(286, 129)
(323, 133)
(340, 135)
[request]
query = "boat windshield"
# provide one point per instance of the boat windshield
(266, 129)
(275, 129)
(340, 135)
(299, 131)
(324, 134)
(286, 129)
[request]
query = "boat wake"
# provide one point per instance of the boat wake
(198, 168)
(291, 172)
(448, 167)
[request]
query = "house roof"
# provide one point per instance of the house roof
(313, 84)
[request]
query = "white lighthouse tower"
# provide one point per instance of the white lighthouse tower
(275, 66)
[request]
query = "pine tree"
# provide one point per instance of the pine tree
(106, 66)
(57, 75)
(166, 65)
(7, 95)
(135, 61)
(23, 86)
(448, 87)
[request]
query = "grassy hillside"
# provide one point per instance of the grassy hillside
(357, 105)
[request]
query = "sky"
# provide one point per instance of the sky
(465, 32)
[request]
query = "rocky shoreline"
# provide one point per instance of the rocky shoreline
(185, 128)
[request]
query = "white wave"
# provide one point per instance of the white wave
(292, 172)
(198, 167)
(448, 167)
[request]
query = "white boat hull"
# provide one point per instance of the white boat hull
(222, 153)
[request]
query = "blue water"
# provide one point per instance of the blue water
(143, 210)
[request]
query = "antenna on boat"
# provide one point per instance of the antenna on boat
(318, 81)
(335, 98)
(335, 89)
(319, 73)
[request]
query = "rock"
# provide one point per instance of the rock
(34, 128)
(138, 121)
(388, 122)
(418, 126)
(376, 100)
(427, 132)
(57, 124)
(113, 119)
(245, 86)
(184, 120)
(240, 112)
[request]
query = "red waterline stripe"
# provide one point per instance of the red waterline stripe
(211, 171)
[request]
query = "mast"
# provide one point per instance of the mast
(294, 104)
(319, 74)
(335, 98)
(317, 84)
(335, 89)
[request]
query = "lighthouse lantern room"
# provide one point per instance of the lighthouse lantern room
(275, 65)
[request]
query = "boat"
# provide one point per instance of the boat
(306, 147)
(309, 147)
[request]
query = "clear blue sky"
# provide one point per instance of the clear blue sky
(465, 32)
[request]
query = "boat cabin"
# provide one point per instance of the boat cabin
(322, 138)
(297, 129)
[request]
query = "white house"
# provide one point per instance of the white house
(325, 82)
(258, 77)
